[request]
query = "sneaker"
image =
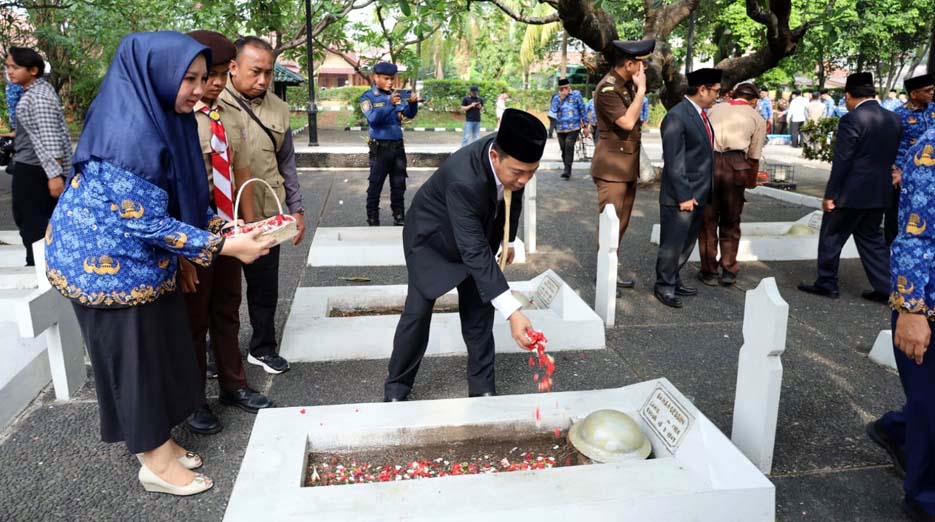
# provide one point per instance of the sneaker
(271, 363)
(212, 372)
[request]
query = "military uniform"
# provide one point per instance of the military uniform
(615, 168)
(387, 150)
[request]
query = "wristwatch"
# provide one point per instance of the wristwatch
(300, 211)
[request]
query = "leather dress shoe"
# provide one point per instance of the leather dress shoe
(916, 514)
(878, 436)
(707, 279)
(817, 290)
(727, 278)
(686, 291)
(876, 297)
(396, 399)
(625, 283)
(247, 399)
(485, 394)
(204, 421)
(668, 299)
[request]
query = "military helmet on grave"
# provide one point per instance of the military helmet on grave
(609, 436)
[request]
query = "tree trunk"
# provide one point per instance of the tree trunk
(564, 64)
(931, 62)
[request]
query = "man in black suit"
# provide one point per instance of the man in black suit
(456, 224)
(688, 157)
(859, 191)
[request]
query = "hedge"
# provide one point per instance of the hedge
(818, 139)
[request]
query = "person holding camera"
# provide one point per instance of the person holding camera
(385, 108)
(471, 106)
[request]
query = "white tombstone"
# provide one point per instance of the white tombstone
(647, 171)
(759, 373)
(605, 295)
(882, 351)
(529, 215)
(46, 311)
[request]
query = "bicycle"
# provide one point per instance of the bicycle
(584, 148)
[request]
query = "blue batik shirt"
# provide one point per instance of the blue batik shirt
(592, 115)
(891, 104)
(765, 107)
(841, 109)
(915, 123)
(912, 261)
(13, 93)
(383, 116)
(644, 110)
(570, 113)
(111, 242)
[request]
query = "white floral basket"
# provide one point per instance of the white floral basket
(281, 227)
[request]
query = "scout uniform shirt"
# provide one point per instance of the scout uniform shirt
(260, 151)
(617, 155)
(234, 143)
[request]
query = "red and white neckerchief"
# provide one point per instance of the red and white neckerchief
(220, 163)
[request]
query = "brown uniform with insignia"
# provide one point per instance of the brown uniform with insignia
(616, 164)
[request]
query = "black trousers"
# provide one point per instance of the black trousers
(794, 130)
(891, 219)
(32, 205)
(678, 232)
(387, 159)
(553, 124)
(567, 142)
(412, 337)
(864, 224)
(262, 296)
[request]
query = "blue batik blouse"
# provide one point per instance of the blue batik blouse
(570, 113)
(112, 243)
(915, 123)
(912, 261)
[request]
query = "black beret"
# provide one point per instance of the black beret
(858, 80)
(563, 81)
(522, 136)
(222, 49)
(919, 82)
(704, 77)
(636, 49)
(474, 88)
(386, 68)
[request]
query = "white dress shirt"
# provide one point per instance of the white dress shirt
(505, 303)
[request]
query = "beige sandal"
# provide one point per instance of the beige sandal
(190, 460)
(151, 482)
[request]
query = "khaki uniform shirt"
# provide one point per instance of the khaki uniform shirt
(617, 156)
(237, 161)
(260, 151)
(738, 127)
(816, 110)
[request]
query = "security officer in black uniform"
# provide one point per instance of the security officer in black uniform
(385, 109)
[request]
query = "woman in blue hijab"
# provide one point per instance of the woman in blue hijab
(136, 201)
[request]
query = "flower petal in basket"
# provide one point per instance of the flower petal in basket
(281, 227)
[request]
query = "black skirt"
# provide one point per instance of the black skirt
(145, 369)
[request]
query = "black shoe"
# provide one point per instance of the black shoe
(878, 436)
(247, 399)
(273, 364)
(396, 399)
(566, 175)
(668, 299)
(373, 218)
(876, 297)
(399, 218)
(485, 394)
(204, 421)
(916, 514)
(817, 290)
(625, 283)
(212, 371)
(686, 291)
(727, 278)
(707, 279)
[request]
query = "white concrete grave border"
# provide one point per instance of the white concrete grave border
(311, 336)
(383, 246)
(882, 351)
(697, 474)
(605, 295)
(759, 373)
(767, 241)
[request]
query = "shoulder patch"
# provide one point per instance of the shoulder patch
(607, 89)
(379, 104)
(365, 106)
(611, 79)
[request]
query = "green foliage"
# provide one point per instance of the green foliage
(346, 95)
(657, 112)
(446, 95)
(819, 139)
